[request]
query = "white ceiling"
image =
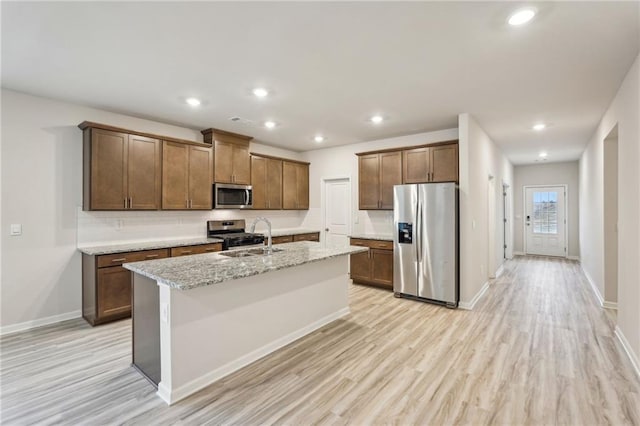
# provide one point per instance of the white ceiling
(332, 65)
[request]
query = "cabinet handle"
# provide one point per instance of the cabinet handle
(151, 256)
(211, 249)
(122, 259)
(125, 203)
(130, 202)
(186, 204)
(190, 204)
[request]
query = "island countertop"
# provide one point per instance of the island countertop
(187, 272)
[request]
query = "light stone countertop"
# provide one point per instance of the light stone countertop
(188, 272)
(147, 245)
(381, 237)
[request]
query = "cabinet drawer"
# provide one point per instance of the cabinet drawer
(132, 256)
(199, 249)
(281, 239)
(376, 244)
(307, 237)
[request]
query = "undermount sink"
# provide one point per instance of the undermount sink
(248, 253)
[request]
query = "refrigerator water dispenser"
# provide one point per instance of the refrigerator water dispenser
(405, 233)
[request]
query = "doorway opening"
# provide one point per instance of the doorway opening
(545, 230)
(610, 216)
(336, 210)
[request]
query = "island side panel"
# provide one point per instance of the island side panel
(218, 329)
(146, 327)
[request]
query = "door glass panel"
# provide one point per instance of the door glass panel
(545, 212)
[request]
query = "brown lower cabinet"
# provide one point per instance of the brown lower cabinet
(374, 267)
(312, 236)
(106, 285)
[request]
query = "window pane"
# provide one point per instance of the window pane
(545, 212)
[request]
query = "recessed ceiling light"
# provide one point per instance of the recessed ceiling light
(319, 138)
(543, 154)
(269, 124)
(194, 102)
(521, 16)
(376, 119)
(260, 92)
(539, 126)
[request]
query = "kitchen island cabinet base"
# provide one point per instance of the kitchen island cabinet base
(209, 332)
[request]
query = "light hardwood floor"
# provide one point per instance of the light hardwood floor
(537, 350)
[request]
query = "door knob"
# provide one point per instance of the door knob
(326, 229)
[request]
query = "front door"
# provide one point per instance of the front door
(545, 221)
(337, 214)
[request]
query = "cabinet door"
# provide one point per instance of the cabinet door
(302, 179)
(259, 182)
(390, 175)
(143, 172)
(224, 162)
(108, 170)
(114, 292)
(415, 163)
(200, 171)
(382, 267)
(289, 186)
(444, 163)
(368, 182)
(360, 267)
(273, 183)
(175, 176)
(241, 165)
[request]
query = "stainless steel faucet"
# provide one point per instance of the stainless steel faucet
(252, 228)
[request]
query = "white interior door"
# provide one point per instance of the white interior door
(545, 221)
(337, 211)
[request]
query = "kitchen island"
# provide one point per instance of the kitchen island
(199, 318)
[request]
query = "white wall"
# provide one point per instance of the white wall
(547, 174)
(623, 111)
(479, 159)
(41, 181)
(342, 162)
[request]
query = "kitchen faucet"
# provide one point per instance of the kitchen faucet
(252, 229)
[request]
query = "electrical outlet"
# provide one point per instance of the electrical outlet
(16, 229)
(119, 223)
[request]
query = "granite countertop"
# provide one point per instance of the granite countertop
(147, 245)
(381, 237)
(187, 272)
(287, 231)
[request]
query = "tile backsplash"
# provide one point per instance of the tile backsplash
(107, 227)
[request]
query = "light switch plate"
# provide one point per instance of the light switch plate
(16, 229)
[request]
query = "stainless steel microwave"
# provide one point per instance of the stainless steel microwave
(231, 196)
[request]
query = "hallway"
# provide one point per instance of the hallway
(537, 349)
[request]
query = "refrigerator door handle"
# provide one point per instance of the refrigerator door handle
(418, 229)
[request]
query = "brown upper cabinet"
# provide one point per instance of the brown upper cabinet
(295, 185)
(377, 174)
(232, 159)
(438, 163)
(121, 170)
(266, 180)
(186, 176)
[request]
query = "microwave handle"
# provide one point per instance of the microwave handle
(246, 195)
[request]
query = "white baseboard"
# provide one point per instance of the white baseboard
(470, 305)
(28, 325)
(500, 270)
(610, 305)
(172, 396)
(635, 362)
(593, 287)
(574, 258)
(518, 253)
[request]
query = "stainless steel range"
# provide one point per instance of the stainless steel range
(233, 235)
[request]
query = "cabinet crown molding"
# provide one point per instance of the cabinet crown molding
(255, 154)
(401, 148)
(91, 125)
(212, 134)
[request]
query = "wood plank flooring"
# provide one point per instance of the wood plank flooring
(537, 350)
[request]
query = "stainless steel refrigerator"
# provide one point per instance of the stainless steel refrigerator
(425, 243)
